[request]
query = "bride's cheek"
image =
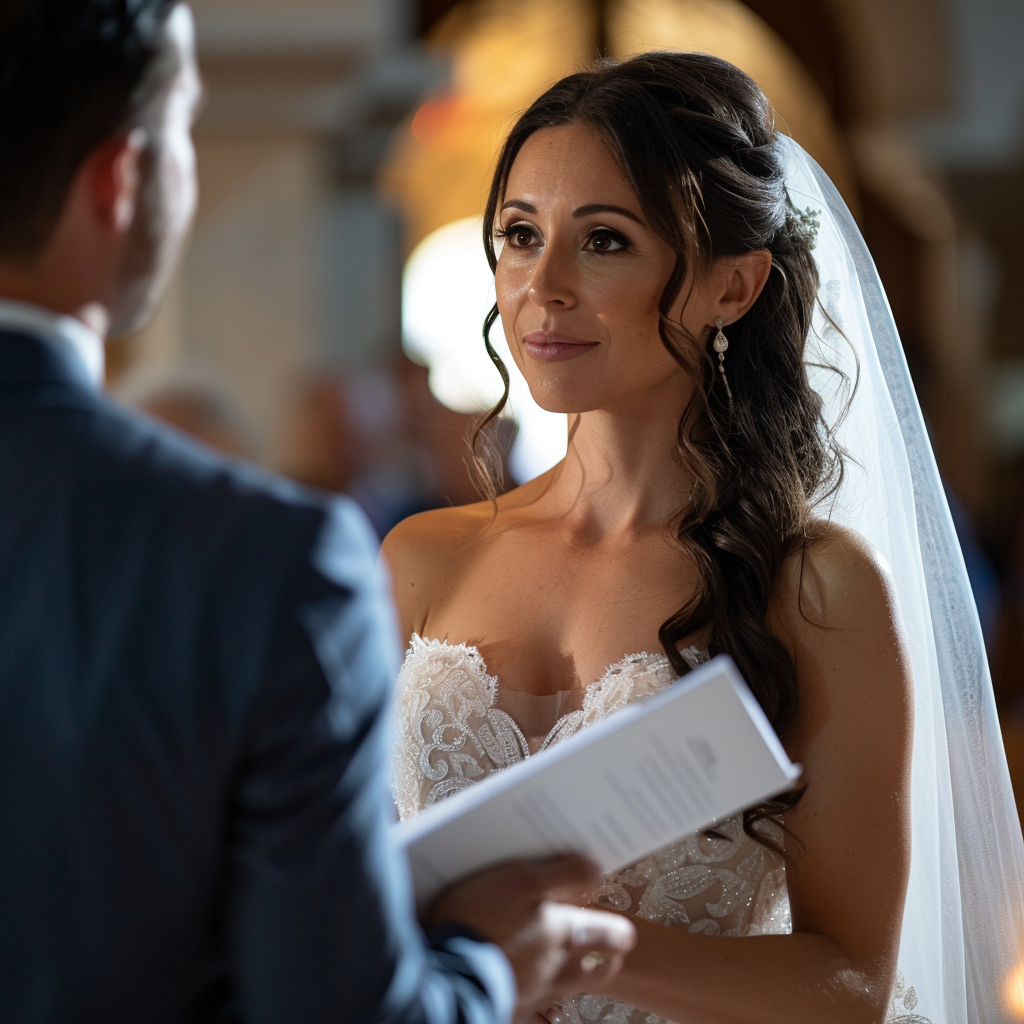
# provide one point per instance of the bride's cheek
(512, 339)
(509, 290)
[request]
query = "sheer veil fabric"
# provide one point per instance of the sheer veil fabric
(963, 926)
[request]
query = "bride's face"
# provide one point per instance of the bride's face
(580, 276)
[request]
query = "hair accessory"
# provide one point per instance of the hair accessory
(721, 347)
(807, 221)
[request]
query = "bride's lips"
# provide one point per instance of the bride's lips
(551, 348)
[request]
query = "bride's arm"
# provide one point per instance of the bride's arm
(848, 863)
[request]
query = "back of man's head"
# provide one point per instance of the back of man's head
(72, 74)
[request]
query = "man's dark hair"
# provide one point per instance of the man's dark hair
(73, 73)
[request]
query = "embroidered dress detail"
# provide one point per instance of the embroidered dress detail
(455, 726)
(904, 999)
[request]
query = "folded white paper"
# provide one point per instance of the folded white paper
(646, 776)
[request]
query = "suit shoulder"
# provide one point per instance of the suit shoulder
(140, 477)
(151, 454)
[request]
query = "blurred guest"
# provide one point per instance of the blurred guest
(444, 435)
(320, 446)
(194, 403)
(350, 433)
(380, 436)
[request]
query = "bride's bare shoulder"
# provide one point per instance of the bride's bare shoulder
(435, 535)
(423, 553)
(836, 579)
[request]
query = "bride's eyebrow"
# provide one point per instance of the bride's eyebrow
(586, 211)
(580, 211)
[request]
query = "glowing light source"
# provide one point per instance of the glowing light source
(1013, 992)
(447, 290)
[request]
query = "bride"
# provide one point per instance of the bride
(746, 473)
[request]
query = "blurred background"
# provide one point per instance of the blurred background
(325, 321)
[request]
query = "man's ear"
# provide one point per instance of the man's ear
(741, 280)
(114, 178)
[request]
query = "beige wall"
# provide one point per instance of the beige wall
(286, 79)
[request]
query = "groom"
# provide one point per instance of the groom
(195, 658)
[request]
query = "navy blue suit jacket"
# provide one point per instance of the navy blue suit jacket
(195, 670)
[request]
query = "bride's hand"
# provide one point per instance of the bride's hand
(555, 949)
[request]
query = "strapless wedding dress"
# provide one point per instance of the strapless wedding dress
(456, 724)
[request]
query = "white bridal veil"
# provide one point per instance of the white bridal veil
(962, 949)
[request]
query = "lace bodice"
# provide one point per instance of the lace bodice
(456, 724)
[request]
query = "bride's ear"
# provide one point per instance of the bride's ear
(739, 281)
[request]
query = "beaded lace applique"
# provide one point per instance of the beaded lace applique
(451, 733)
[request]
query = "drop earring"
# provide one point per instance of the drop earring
(721, 347)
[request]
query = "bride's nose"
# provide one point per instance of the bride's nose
(553, 279)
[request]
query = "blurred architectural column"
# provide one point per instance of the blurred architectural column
(294, 262)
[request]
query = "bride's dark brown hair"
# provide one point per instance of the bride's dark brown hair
(695, 137)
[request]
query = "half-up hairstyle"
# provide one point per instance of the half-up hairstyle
(695, 138)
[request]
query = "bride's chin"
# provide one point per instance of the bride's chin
(567, 407)
(564, 401)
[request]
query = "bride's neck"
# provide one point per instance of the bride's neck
(621, 473)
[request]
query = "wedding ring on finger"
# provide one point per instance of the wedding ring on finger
(592, 961)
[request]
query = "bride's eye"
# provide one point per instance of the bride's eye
(519, 236)
(606, 240)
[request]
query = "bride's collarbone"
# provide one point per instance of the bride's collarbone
(557, 614)
(545, 615)
(544, 564)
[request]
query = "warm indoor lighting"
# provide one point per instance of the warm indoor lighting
(731, 30)
(435, 117)
(1014, 992)
(447, 290)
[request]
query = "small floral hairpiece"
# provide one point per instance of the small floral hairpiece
(807, 222)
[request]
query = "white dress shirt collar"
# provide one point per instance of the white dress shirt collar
(81, 343)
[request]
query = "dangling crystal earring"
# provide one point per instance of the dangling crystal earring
(721, 347)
